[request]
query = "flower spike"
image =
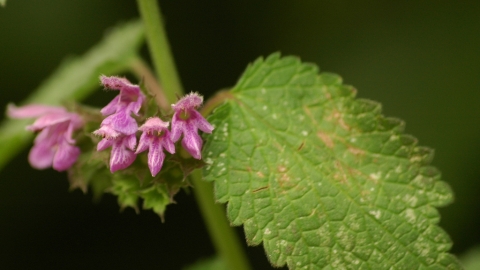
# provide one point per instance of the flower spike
(119, 127)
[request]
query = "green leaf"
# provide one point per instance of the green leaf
(75, 79)
(215, 263)
(156, 198)
(321, 178)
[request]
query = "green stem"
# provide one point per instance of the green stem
(223, 236)
(160, 49)
(143, 72)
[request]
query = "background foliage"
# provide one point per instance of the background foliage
(420, 60)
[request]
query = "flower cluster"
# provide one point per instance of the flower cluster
(54, 145)
(119, 127)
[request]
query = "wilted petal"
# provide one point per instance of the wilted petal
(65, 156)
(30, 111)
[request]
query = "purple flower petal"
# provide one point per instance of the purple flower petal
(143, 143)
(188, 102)
(65, 156)
(121, 122)
(31, 111)
(111, 107)
(104, 144)
(121, 157)
(50, 119)
(154, 124)
(201, 122)
(131, 142)
(178, 126)
(192, 143)
(168, 144)
(106, 131)
(187, 120)
(41, 156)
(155, 157)
(52, 147)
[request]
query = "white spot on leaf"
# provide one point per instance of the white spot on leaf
(375, 176)
(375, 213)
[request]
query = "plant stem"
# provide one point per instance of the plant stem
(160, 49)
(141, 70)
(223, 236)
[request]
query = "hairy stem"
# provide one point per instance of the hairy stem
(223, 236)
(141, 70)
(159, 48)
(215, 101)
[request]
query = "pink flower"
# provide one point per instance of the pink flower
(120, 109)
(119, 127)
(187, 120)
(155, 137)
(122, 154)
(54, 146)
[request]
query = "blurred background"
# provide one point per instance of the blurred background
(421, 60)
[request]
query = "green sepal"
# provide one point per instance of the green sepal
(126, 187)
(156, 197)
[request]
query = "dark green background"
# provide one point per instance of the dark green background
(420, 60)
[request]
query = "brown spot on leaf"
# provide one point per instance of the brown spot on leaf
(301, 146)
(260, 174)
(260, 189)
(356, 151)
(278, 146)
(340, 174)
(338, 117)
(327, 140)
